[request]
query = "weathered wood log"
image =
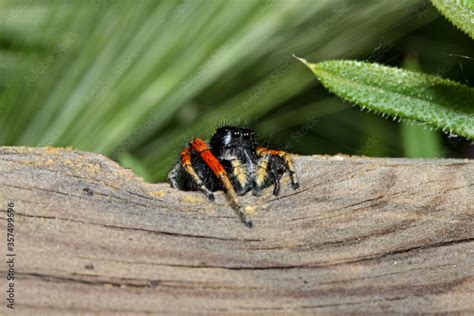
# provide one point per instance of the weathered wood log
(360, 235)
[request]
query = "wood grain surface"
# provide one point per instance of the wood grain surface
(361, 235)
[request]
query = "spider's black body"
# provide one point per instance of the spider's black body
(233, 163)
(235, 148)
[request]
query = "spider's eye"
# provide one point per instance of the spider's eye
(246, 135)
(236, 134)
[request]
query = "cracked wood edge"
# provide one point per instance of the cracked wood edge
(360, 235)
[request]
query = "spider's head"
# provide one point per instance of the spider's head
(233, 138)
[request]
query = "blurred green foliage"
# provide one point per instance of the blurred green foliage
(136, 80)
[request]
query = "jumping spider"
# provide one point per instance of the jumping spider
(233, 163)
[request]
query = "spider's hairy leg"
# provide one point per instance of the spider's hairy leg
(288, 163)
(201, 147)
(276, 176)
(261, 175)
(187, 166)
(269, 167)
(239, 171)
(173, 175)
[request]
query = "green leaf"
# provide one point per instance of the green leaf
(438, 102)
(459, 12)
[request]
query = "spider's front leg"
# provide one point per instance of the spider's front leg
(173, 176)
(201, 147)
(272, 165)
(186, 164)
